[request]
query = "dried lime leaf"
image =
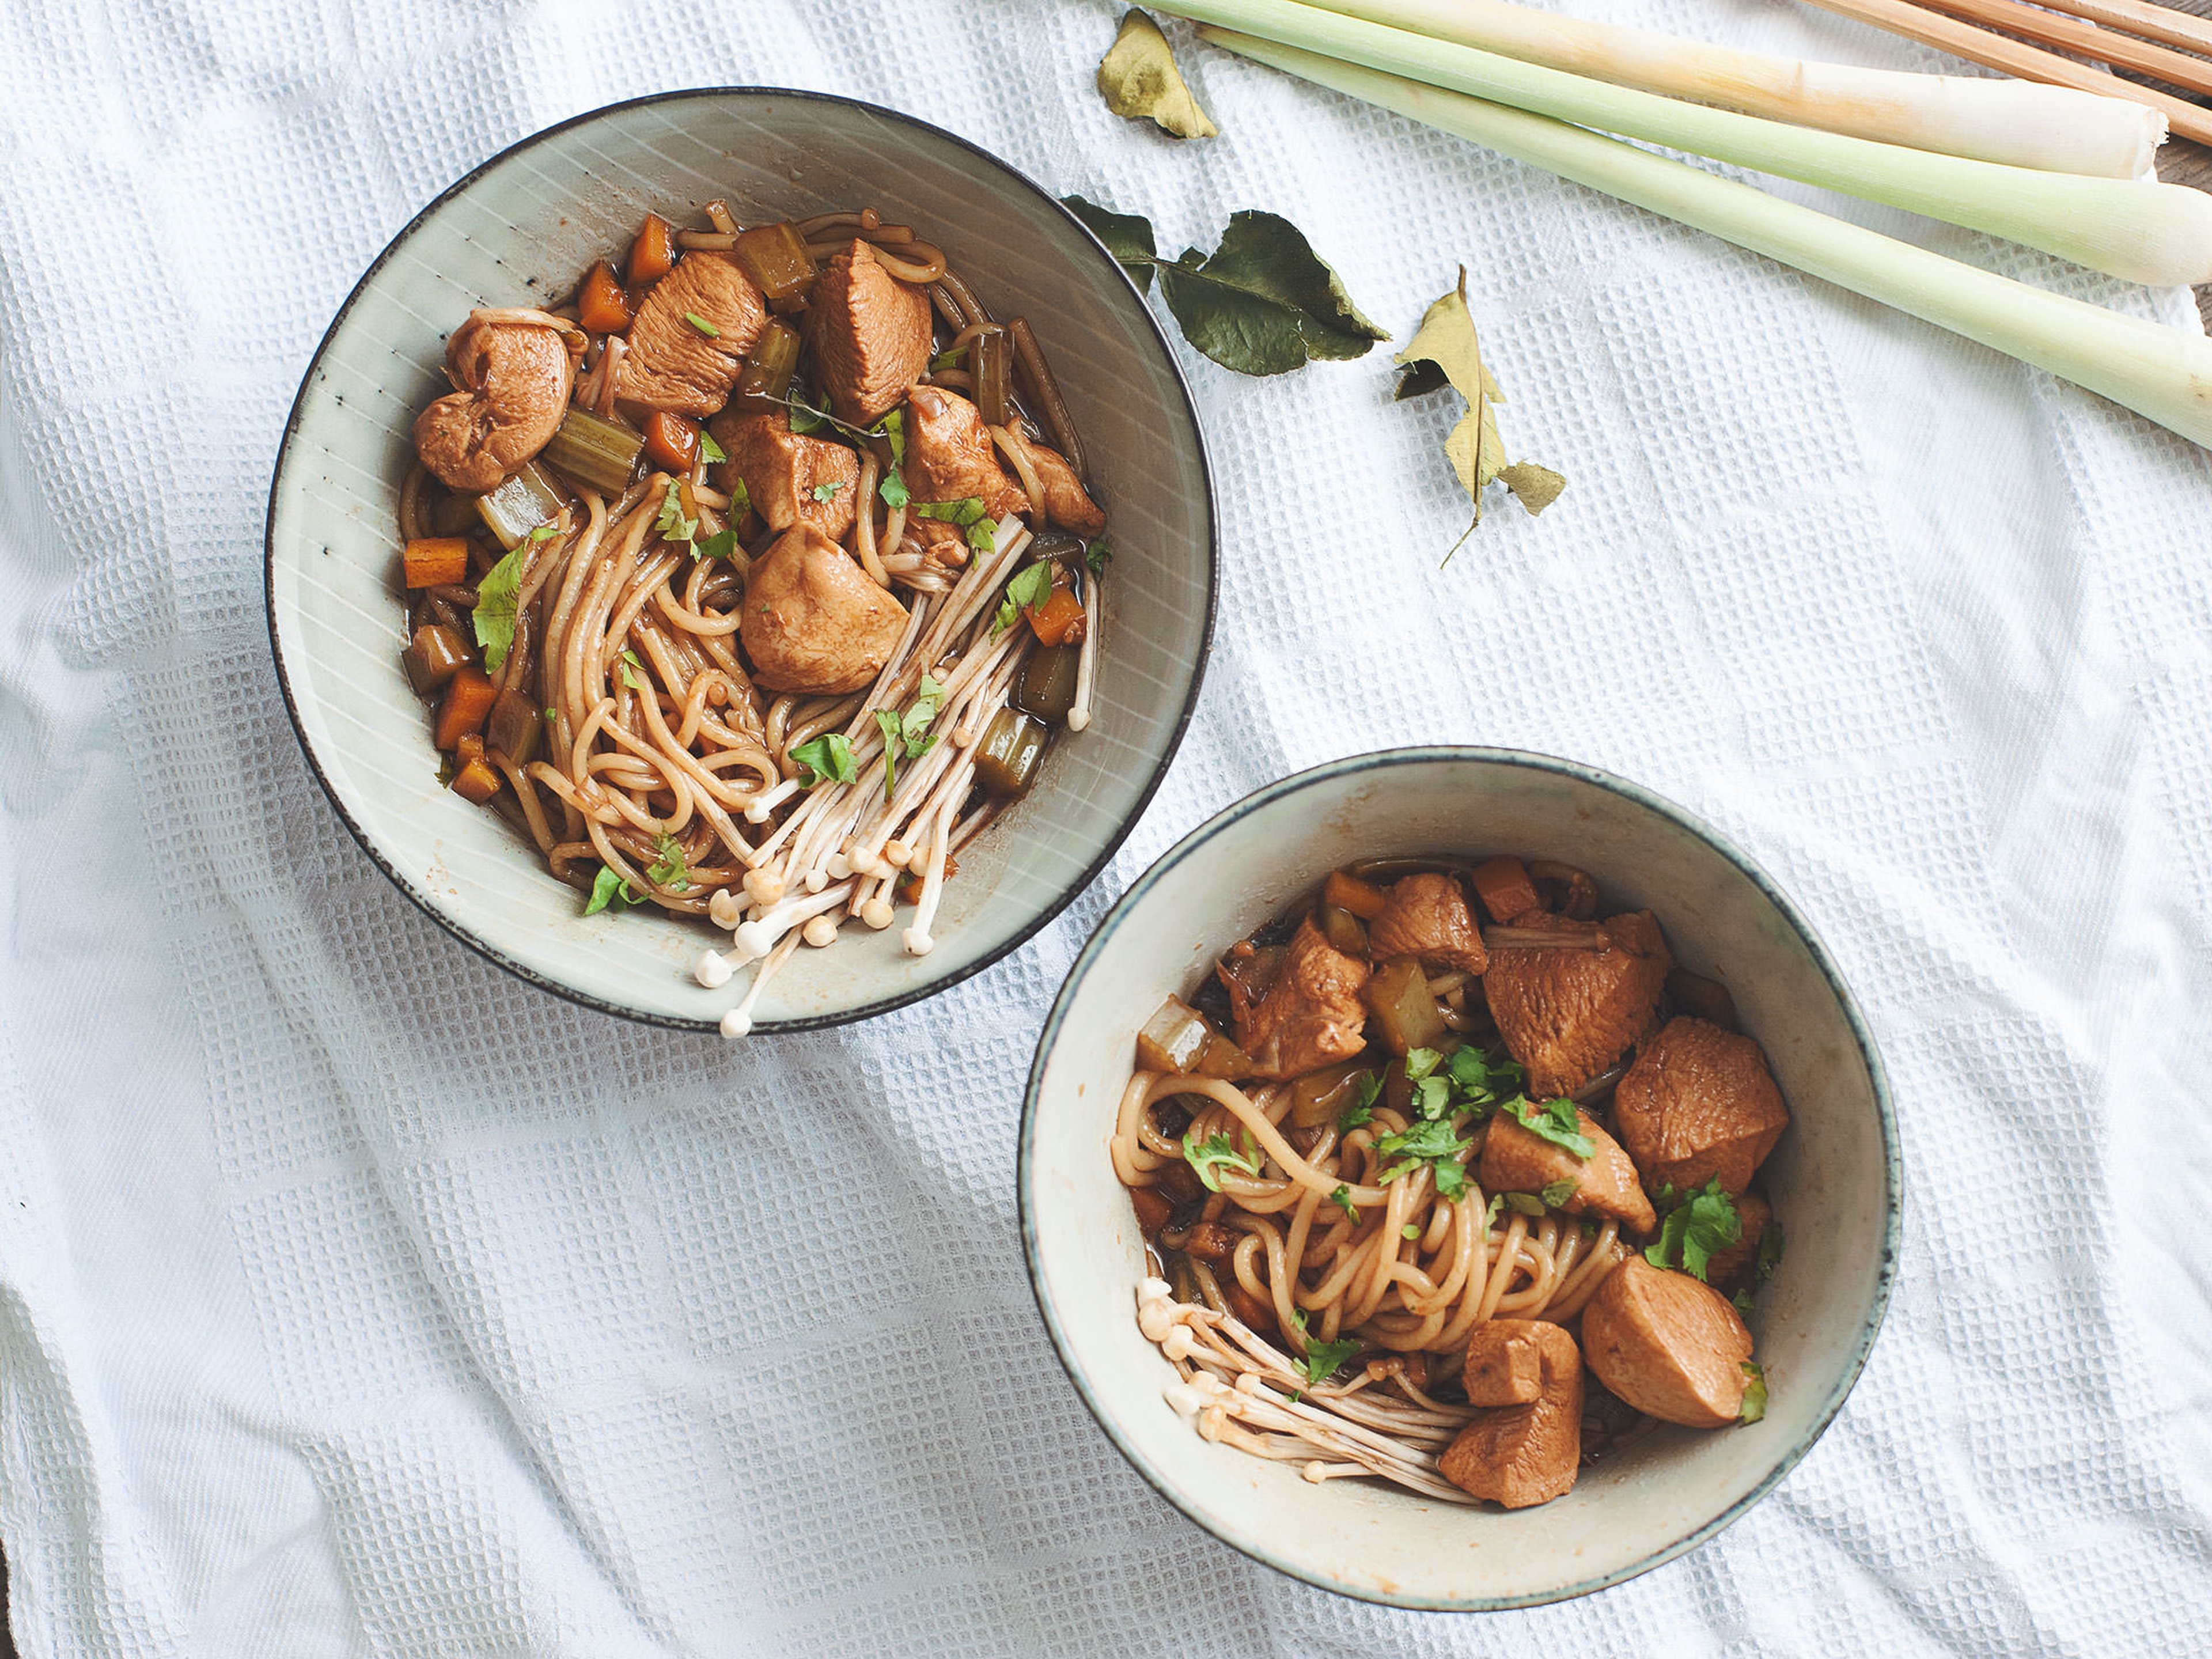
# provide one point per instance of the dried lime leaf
(1535, 487)
(1138, 78)
(1128, 237)
(1264, 301)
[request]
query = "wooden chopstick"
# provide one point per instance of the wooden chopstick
(2103, 45)
(1979, 46)
(2174, 27)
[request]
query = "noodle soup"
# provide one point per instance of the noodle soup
(754, 581)
(1447, 1176)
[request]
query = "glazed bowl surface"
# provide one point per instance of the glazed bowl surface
(519, 230)
(1833, 1179)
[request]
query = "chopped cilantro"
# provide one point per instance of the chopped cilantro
(967, 512)
(610, 891)
(1096, 554)
(448, 771)
(1555, 1120)
(1434, 1142)
(1361, 1111)
(1481, 1079)
(1741, 1303)
(893, 490)
(671, 523)
(721, 545)
(1324, 1359)
(1419, 1062)
(1704, 1223)
(1207, 1158)
(893, 428)
(1755, 1393)
(1342, 1199)
(741, 500)
(828, 492)
(669, 871)
(629, 662)
(1770, 1253)
(1497, 1204)
(1559, 1191)
(946, 359)
(1450, 1178)
(1525, 1204)
(494, 615)
(827, 758)
(1027, 588)
(909, 734)
(709, 449)
(703, 325)
(1431, 1097)
(545, 532)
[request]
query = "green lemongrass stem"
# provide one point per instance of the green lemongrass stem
(2158, 371)
(2148, 233)
(2021, 123)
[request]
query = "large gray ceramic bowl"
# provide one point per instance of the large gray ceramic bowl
(518, 231)
(1833, 1179)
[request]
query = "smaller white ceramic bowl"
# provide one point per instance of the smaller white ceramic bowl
(1834, 1179)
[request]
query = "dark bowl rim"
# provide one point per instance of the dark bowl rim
(1190, 846)
(492, 953)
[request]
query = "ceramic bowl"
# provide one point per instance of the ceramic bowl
(517, 231)
(1834, 1178)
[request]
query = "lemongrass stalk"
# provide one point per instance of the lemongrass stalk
(2020, 123)
(2158, 371)
(2149, 233)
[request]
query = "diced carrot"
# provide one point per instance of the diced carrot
(1059, 620)
(475, 782)
(1363, 898)
(470, 748)
(467, 705)
(435, 560)
(1504, 889)
(652, 255)
(671, 443)
(602, 307)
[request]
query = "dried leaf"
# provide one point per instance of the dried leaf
(1535, 487)
(1264, 301)
(1128, 237)
(1138, 78)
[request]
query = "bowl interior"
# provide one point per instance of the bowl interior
(518, 231)
(1833, 1178)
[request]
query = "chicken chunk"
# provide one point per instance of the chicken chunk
(814, 621)
(1517, 1159)
(672, 362)
(869, 333)
(1667, 1344)
(1311, 1015)
(1568, 1012)
(1699, 1102)
(1529, 1451)
(950, 456)
(1067, 504)
(786, 474)
(1427, 917)
(1731, 1269)
(514, 381)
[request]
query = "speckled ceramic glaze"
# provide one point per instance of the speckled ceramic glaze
(517, 231)
(1834, 1177)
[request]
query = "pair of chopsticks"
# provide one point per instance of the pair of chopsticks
(2131, 34)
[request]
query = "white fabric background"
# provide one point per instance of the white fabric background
(356, 1299)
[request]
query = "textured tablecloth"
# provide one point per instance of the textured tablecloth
(355, 1299)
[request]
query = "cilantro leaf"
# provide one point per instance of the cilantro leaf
(494, 616)
(545, 532)
(1741, 1303)
(1755, 1393)
(669, 871)
(709, 449)
(1342, 1199)
(1450, 1178)
(828, 492)
(671, 525)
(1419, 1062)
(893, 427)
(610, 891)
(827, 758)
(741, 500)
(888, 723)
(1361, 1111)
(1555, 1120)
(721, 545)
(1482, 1079)
(1431, 1097)
(1324, 1359)
(1770, 1253)
(1705, 1223)
(1096, 554)
(1432, 1141)
(1559, 1192)
(893, 490)
(703, 325)
(1027, 588)
(1207, 1158)
(1525, 1204)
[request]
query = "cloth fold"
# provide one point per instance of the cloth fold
(355, 1299)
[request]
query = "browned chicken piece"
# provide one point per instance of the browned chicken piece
(1067, 504)
(814, 621)
(513, 380)
(1730, 1269)
(1566, 1012)
(1529, 1452)
(1699, 1102)
(950, 456)
(785, 472)
(672, 363)
(1505, 1361)
(1667, 1344)
(1311, 1015)
(1427, 917)
(869, 333)
(943, 543)
(1517, 1159)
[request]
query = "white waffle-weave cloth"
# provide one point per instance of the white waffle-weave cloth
(357, 1299)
